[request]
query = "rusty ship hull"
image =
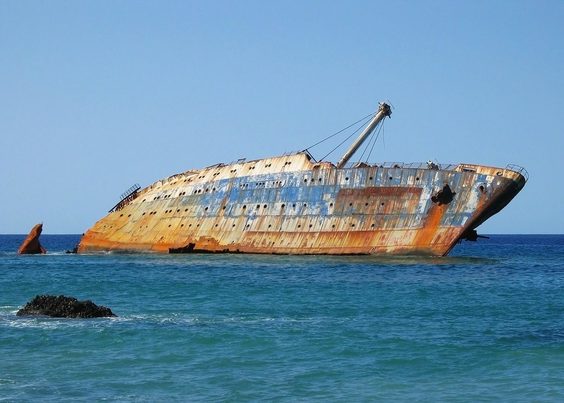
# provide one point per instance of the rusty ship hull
(293, 205)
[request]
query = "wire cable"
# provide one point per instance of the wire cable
(342, 130)
(341, 143)
(380, 129)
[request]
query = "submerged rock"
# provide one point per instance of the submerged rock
(63, 307)
(31, 244)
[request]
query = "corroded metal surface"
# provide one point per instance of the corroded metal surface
(289, 204)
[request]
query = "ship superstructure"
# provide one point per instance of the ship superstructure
(292, 204)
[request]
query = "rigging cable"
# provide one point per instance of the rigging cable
(380, 129)
(341, 143)
(371, 143)
(342, 130)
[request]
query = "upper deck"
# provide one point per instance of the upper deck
(276, 167)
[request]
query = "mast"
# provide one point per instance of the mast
(384, 110)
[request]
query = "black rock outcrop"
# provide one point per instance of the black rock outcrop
(63, 307)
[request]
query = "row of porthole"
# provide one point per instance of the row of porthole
(347, 178)
(352, 225)
(206, 190)
(159, 197)
(257, 183)
(246, 185)
(235, 170)
(247, 226)
(244, 207)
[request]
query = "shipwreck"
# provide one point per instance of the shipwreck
(293, 204)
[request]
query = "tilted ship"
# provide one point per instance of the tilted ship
(292, 204)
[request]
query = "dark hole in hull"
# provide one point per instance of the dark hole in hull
(184, 249)
(443, 196)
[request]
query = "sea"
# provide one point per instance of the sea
(485, 323)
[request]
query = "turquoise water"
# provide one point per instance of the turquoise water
(486, 323)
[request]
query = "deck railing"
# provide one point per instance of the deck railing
(518, 168)
(126, 197)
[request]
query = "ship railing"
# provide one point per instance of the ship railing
(519, 169)
(411, 165)
(126, 197)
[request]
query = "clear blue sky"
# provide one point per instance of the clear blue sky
(96, 96)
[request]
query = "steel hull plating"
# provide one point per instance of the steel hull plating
(290, 205)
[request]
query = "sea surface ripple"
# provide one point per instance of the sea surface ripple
(486, 323)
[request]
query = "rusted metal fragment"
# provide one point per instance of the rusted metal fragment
(31, 244)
